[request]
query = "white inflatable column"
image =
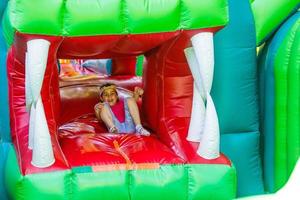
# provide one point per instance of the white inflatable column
(29, 102)
(209, 148)
(39, 136)
(31, 126)
(42, 154)
(204, 51)
(198, 106)
(203, 46)
(37, 56)
(28, 93)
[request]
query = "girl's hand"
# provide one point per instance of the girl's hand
(98, 107)
(138, 91)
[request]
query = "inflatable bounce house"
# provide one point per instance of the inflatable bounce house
(221, 98)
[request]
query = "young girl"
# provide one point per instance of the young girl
(119, 115)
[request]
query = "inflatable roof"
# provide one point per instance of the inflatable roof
(85, 18)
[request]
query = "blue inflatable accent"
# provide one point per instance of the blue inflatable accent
(3, 4)
(235, 85)
(245, 145)
(236, 96)
(4, 147)
(4, 117)
(109, 66)
(266, 76)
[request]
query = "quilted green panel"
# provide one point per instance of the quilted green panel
(93, 17)
(37, 16)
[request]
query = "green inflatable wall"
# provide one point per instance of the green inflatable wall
(279, 66)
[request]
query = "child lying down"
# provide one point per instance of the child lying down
(120, 115)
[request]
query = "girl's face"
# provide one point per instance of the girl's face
(110, 96)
